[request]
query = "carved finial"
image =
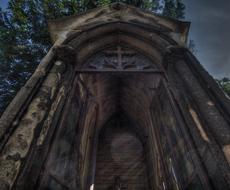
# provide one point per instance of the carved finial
(117, 6)
(65, 53)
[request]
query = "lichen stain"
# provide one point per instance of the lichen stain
(198, 124)
(81, 89)
(23, 136)
(49, 119)
(226, 150)
(210, 103)
(19, 143)
(52, 83)
(9, 170)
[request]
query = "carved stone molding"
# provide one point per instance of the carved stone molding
(118, 59)
(174, 54)
(65, 53)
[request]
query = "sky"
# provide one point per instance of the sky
(210, 30)
(3, 3)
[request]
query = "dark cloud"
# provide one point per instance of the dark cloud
(210, 29)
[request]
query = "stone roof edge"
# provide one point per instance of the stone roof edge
(183, 25)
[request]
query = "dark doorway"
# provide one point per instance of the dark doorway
(120, 158)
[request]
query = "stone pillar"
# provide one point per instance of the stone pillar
(196, 96)
(34, 124)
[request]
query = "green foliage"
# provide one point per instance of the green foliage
(24, 37)
(225, 85)
(174, 9)
(180, 9)
(104, 2)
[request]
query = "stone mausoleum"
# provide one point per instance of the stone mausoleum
(118, 103)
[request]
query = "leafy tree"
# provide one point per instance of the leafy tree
(24, 40)
(169, 9)
(24, 37)
(180, 9)
(225, 85)
(174, 9)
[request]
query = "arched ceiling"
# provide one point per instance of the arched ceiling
(153, 45)
(128, 94)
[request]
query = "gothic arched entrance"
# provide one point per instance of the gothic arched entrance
(121, 81)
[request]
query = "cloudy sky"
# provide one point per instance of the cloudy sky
(210, 30)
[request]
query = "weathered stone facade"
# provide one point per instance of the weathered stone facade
(117, 76)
